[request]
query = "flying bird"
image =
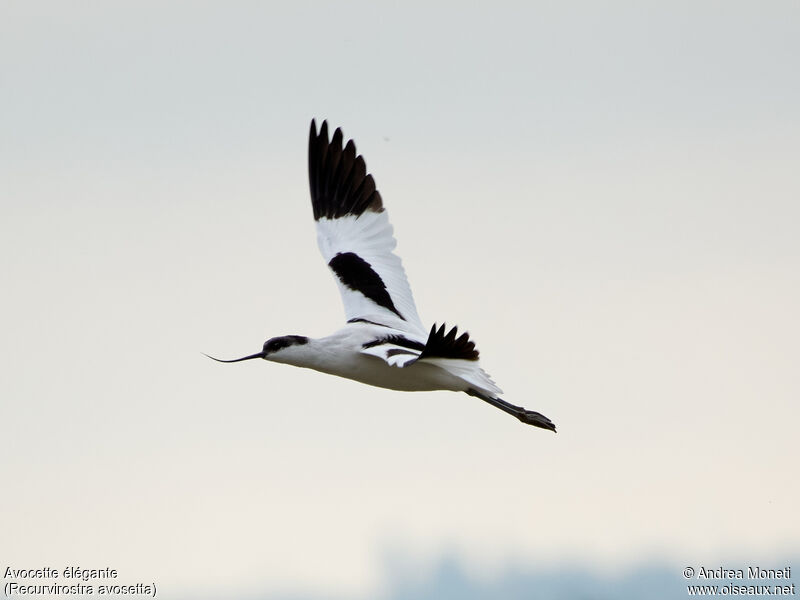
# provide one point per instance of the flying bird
(383, 343)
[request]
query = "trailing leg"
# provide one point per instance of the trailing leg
(528, 417)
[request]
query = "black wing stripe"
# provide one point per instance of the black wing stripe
(338, 177)
(441, 345)
(396, 340)
(395, 351)
(368, 322)
(358, 275)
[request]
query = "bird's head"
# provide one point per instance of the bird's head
(278, 349)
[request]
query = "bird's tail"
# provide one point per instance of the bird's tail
(468, 371)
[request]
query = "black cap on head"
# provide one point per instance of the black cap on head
(284, 341)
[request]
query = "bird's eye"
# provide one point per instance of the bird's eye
(274, 344)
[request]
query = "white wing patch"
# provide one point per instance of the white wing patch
(394, 355)
(369, 236)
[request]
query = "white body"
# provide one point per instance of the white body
(342, 354)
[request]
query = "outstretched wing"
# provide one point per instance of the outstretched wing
(454, 353)
(355, 236)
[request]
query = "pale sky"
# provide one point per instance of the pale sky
(607, 198)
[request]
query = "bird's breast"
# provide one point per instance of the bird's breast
(417, 377)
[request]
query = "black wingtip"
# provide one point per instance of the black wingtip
(444, 344)
(339, 181)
